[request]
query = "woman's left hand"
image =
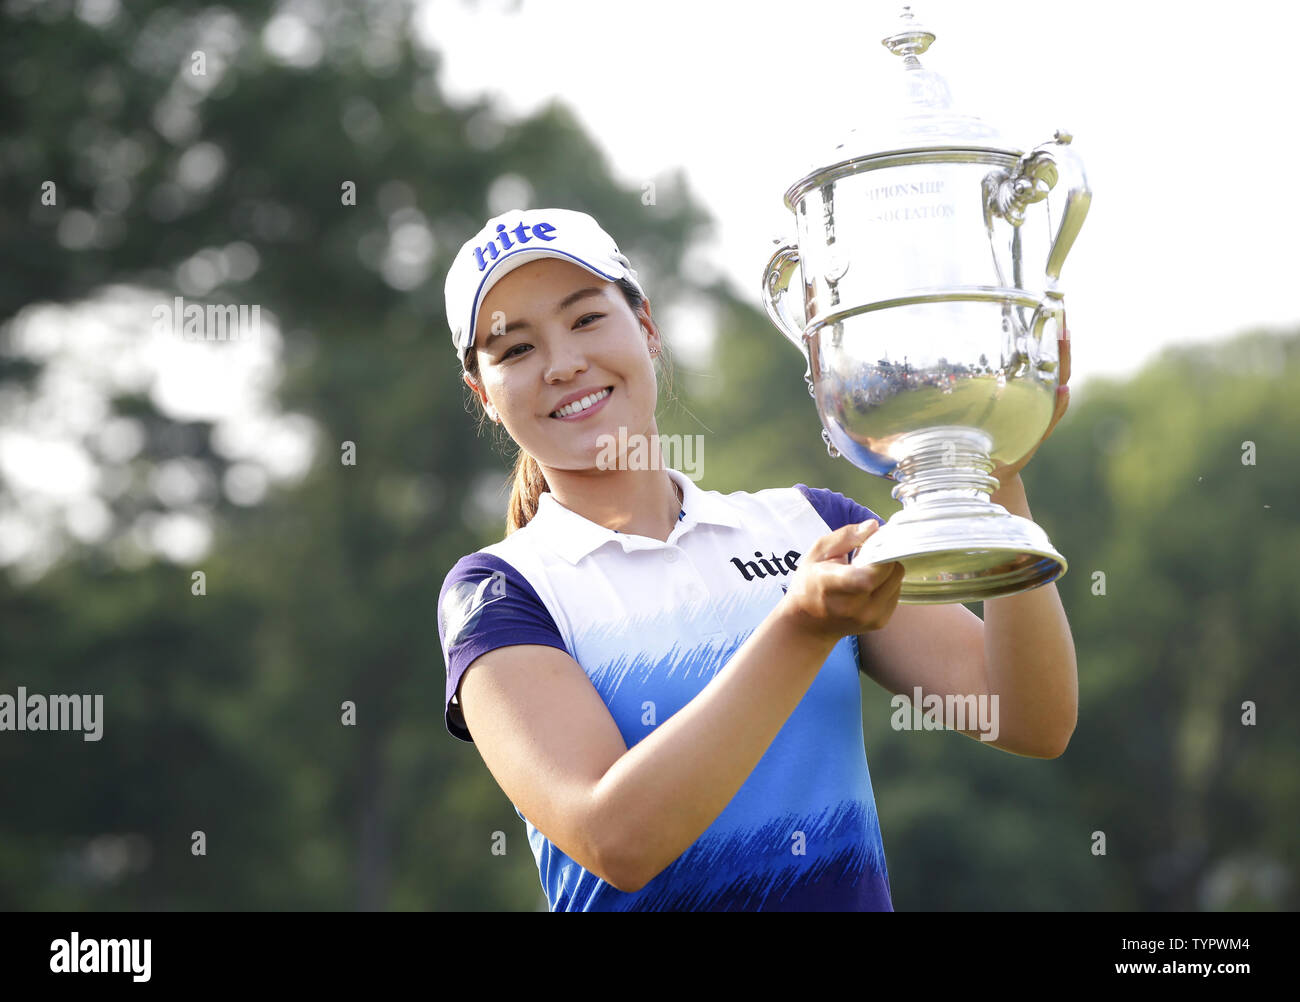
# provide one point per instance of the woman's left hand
(1005, 473)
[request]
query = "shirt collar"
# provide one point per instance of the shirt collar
(573, 537)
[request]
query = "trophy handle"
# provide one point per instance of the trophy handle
(1053, 309)
(1078, 199)
(1008, 193)
(776, 286)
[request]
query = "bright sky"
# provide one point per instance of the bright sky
(1183, 115)
(1185, 122)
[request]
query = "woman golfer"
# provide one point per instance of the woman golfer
(664, 680)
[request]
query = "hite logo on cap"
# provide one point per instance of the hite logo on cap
(542, 231)
(513, 239)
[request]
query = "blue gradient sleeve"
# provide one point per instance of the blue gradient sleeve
(835, 509)
(485, 604)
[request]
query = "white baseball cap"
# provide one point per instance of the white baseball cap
(514, 238)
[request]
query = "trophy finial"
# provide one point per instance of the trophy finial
(911, 41)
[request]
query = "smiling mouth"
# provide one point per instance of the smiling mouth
(566, 411)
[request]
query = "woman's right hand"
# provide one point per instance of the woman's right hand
(829, 598)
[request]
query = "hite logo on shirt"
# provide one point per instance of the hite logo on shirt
(770, 566)
(464, 603)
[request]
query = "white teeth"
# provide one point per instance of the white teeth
(583, 404)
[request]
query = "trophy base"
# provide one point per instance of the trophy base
(967, 556)
(954, 543)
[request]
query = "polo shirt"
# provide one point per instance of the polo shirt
(652, 623)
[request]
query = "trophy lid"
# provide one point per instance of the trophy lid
(918, 115)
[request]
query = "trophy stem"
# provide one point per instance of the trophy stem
(944, 464)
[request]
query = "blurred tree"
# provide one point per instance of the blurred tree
(223, 711)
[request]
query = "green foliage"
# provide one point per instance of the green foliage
(223, 711)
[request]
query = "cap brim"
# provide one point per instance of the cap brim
(508, 263)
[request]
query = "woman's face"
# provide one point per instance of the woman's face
(548, 330)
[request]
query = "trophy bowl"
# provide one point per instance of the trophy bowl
(930, 341)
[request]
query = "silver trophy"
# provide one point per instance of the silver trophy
(930, 335)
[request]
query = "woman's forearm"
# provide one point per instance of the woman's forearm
(1030, 659)
(662, 795)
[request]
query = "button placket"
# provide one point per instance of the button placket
(698, 591)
